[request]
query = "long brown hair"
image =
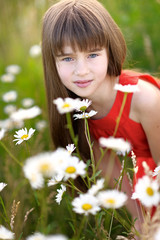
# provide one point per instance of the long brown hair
(85, 24)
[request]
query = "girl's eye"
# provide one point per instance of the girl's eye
(93, 55)
(67, 59)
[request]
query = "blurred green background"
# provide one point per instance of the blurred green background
(20, 29)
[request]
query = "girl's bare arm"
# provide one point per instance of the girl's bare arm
(147, 102)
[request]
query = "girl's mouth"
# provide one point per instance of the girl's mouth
(83, 83)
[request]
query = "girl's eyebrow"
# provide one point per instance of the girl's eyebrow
(72, 53)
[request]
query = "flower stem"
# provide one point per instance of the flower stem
(71, 131)
(110, 228)
(81, 227)
(10, 154)
(120, 113)
(27, 149)
(87, 133)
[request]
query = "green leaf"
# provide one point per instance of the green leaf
(72, 226)
(96, 175)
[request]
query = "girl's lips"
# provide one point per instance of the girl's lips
(83, 83)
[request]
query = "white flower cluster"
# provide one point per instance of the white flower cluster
(16, 116)
(69, 105)
(92, 201)
(11, 71)
(57, 164)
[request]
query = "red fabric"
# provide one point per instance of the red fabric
(128, 129)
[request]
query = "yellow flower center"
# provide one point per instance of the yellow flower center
(24, 136)
(110, 201)
(66, 105)
(150, 191)
(70, 169)
(44, 167)
(86, 206)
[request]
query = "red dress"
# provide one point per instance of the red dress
(128, 129)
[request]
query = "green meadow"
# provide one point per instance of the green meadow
(23, 210)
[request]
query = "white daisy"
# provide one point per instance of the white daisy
(9, 96)
(36, 236)
(38, 167)
(60, 194)
(117, 144)
(40, 125)
(27, 102)
(146, 190)
(59, 156)
(2, 133)
(72, 167)
(157, 235)
(7, 78)
(13, 69)
(112, 198)
(82, 105)
(84, 115)
(5, 233)
(156, 171)
(46, 164)
(23, 135)
(9, 124)
(35, 178)
(22, 114)
(35, 51)
(43, 163)
(70, 148)
(54, 180)
(86, 204)
(9, 109)
(126, 88)
(65, 105)
(96, 187)
(2, 185)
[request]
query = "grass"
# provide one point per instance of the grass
(20, 28)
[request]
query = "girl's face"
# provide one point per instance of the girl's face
(84, 73)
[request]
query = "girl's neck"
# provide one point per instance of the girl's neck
(105, 101)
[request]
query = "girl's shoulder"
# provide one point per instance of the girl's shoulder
(147, 99)
(144, 101)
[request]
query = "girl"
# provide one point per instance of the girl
(83, 54)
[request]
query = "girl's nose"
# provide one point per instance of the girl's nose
(81, 68)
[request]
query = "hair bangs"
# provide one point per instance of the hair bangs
(79, 29)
